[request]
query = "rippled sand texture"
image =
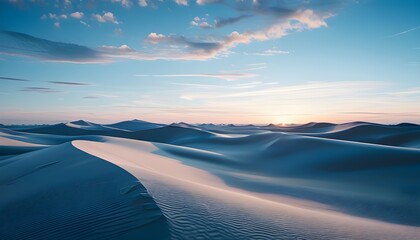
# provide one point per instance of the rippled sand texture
(140, 180)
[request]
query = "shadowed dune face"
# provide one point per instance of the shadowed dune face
(362, 179)
(359, 180)
(64, 193)
(198, 196)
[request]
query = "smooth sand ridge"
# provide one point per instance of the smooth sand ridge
(63, 193)
(12, 143)
(396, 135)
(249, 181)
(357, 178)
(404, 135)
(134, 125)
(200, 205)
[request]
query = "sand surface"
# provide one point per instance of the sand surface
(140, 180)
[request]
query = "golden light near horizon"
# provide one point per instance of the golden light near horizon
(309, 65)
(209, 119)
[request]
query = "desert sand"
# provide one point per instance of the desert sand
(141, 180)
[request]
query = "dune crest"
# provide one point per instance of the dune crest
(63, 193)
(317, 181)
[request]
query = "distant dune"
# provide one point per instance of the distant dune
(141, 180)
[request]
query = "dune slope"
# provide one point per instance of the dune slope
(63, 193)
(82, 180)
(199, 203)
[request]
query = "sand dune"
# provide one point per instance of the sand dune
(134, 125)
(401, 135)
(63, 193)
(316, 181)
(226, 204)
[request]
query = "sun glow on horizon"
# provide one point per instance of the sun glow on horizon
(220, 61)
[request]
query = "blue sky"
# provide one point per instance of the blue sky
(210, 61)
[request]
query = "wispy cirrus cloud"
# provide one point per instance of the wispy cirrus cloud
(69, 83)
(406, 92)
(185, 48)
(20, 44)
(53, 82)
(203, 2)
(100, 95)
(224, 76)
(301, 91)
(284, 20)
(39, 90)
(405, 31)
(364, 113)
(14, 79)
(221, 22)
(203, 22)
(90, 97)
(268, 52)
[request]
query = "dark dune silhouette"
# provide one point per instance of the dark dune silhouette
(80, 179)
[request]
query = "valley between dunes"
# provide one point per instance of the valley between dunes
(141, 180)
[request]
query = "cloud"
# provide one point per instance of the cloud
(106, 17)
(364, 113)
(224, 76)
(179, 47)
(406, 92)
(268, 52)
(182, 2)
(143, 3)
(257, 64)
(169, 47)
(155, 38)
(202, 49)
(77, 15)
(406, 31)
(96, 96)
(39, 90)
(67, 3)
(125, 52)
(69, 83)
(203, 2)
(118, 31)
(185, 98)
(20, 44)
(14, 79)
(84, 23)
(200, 22)
(124, 3)
(228, 21)
(301, 91)
(54, 82)
(282, 17)
(54, 16)
(90, 97)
